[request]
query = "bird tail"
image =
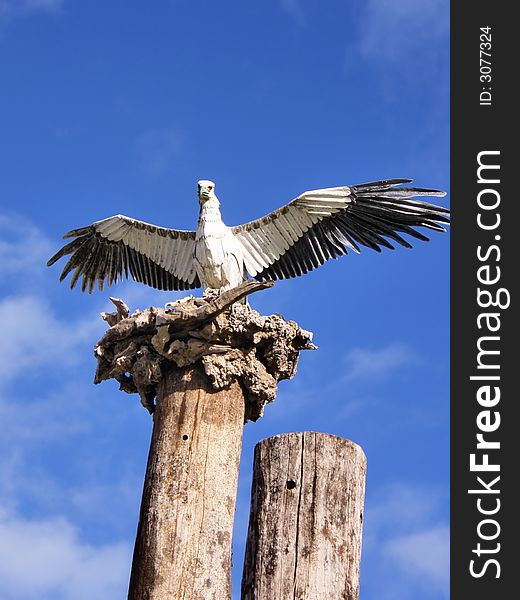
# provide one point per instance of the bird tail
(382, 210)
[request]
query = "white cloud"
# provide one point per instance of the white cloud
(46, 559)
(424, 554)
(406, 44)
(43, 4)
(409, 506)
(350, 407)
(48, 435)
(295, 10)
(9, 9)
(406, 534)
(23, 248)
(364, 363)
(392, 29)
(33, 336)
(121, 494)
(45, 417)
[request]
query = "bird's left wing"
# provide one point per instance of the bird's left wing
(119, 246)
(326, 223)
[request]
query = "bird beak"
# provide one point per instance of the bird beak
(203, 193)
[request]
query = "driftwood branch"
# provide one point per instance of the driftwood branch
(232, 344)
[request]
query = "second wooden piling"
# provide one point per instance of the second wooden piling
(304, 539)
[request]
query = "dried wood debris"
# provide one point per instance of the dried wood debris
(231, 341)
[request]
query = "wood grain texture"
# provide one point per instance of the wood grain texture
(304, 538)
(183, 545)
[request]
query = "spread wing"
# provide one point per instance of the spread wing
(327, 223)
(119, 247)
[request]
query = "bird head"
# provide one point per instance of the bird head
(206, 190)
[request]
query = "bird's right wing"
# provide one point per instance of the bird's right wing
(119, 247)
(327, 223)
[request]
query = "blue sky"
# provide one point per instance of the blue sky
(120, 107)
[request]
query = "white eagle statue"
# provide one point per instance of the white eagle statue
(288, 242)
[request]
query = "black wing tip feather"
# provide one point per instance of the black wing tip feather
(392, 211)
(392, 186)
(69, 248)
(79, 232)
(94, 259)
(54, 258)
(381, 183)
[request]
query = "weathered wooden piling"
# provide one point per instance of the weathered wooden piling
(183, 544)
(304, 538)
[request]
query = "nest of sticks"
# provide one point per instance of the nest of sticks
(231, 341)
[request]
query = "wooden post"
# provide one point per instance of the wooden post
(304, 539)
(183, 545)
(202, 369)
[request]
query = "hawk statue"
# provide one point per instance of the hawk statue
(288, 242)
